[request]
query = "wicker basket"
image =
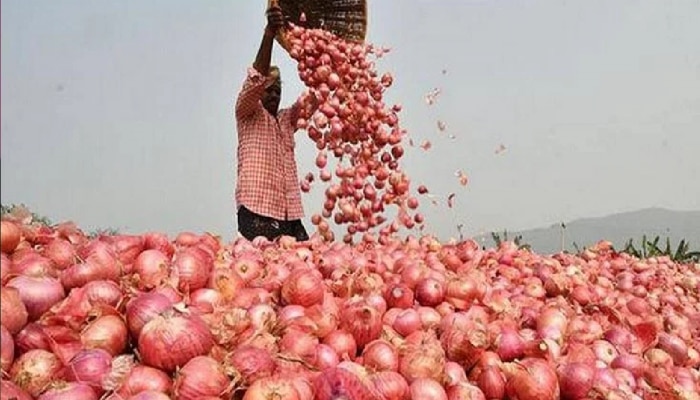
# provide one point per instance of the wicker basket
(345, 18)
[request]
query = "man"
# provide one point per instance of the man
(267, 189)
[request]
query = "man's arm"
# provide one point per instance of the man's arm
(254, 87)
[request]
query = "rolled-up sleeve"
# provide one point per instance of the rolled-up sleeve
(249, 97)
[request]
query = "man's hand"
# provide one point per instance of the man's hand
(275, 20)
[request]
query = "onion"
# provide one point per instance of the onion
(303, 287)
(69, 391)
(108, 332)
(158, 241)
(61, 252)
(380, 355)
(251, 364)
(34, 370)
(361, 320)
(509, 345)
(192, 269)
(226, 282)
(142, 378)
(270, 388)
(92, 269)
(674, 346)
(172, 338)
(144, 308)
(7, 349)
(630, 362)
(103, 292)
(454, 373)
(201, 376)
(205, 300)
(339, 382)
(551, 324)
(38, 294)
(430, 292)
(407, 322)
(390, 385)
(89, 366)
(465, 390)
(9, 237)
(576, 380)
(326, 357)
(34, 264)
(492, 382)
(10, 391)
(152, 267)
(13, 313)
(299, 344)
(427, 389)
(531, 379)
(150, 395)
(399, 296)
(465, 345)
(343, 343)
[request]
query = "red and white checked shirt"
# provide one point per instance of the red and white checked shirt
(268, 182)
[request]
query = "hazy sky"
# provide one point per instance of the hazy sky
(118, 113)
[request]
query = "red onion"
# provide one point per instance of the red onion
(303, 287)
(103, 292)
(604, 351)
(13, 314)
(340, 382)
(150, 395)
(509, 345)
(10, 391)
(407, 322)
(430, 292)
(361, 320)
(158, 241)
(343, 343)
(427, 389)
(7, 349)
(144, 308)
(226, 282)
(454, 373)
(172, 338)
(465, 390)
(326, 357)
(551, 324)
(152, 268)
(398, 296)
(61, 252)
(271, 387)
(531, 379)
(300, 344)
(205, 300)
(91, 269)
(108, 333)
(38, 294)
(89, 366)
(251, 364)
(199, 377)
(576, 380)
(390, 385)
(34, 264)
(11, 236)
(34, 370)
(674, 346)
(465, 346)
(192, 269)
(380, 355)
(630, 362)
(69, 391)
(247, 268)
(142, 378)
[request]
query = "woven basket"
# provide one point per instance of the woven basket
(345, 18)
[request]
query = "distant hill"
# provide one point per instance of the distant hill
(617, 228)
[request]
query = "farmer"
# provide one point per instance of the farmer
(268, 196)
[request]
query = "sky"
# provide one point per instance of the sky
(119, 113)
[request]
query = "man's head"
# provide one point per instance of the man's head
(273, 91)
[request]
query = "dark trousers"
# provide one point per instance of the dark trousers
(252, 225)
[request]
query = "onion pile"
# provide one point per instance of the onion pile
(389, 318)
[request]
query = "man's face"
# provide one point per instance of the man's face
(271, 97)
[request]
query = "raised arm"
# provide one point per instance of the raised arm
(254, 86)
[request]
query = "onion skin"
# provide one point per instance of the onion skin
(171, 339)
(89, 366)
(108, 333)
(427, 389)
(390, 385)
(144, 308)
(303, 287)
(271, 387)
(13, 313)
(380, 355)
